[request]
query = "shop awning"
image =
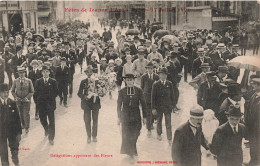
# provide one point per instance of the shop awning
(43, 14)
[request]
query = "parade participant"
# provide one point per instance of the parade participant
(148, 48)
(139, 66)
(155, 54)
(223, 86)
(2, 69)
(184, 58)
(56, 58)
(105, 35)
(81, 55)
(44, 52)
(34, 75)
(233, 72)
(243, 42)
(218, 58)
(196, 66)
(253, 127)
(174, 68)
(256, 43)
(17, 60)
(30, 56)
(128, 66)
(48, 64)
(90, 103)
(188, 139)
(147, 81)
(208, 93)
(234, 98)
(135, 45)
(156, 66)
(46, 90)
(227, 140)
(162, 103)
(128, 112)
(222, 73)
(7, 56)
(62, 78)
(202, 77)
(10, 127)
(22, 91)
(119, 72)
(103, 65)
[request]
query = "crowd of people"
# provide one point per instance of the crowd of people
(43, 68)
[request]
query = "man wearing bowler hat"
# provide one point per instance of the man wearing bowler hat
(188, 139)
(90, 103)
(10, 127)
(196, 70)
(147, 81)
(227, 140)
(62, 78)
(222, 73)
(46, 90)
(162, 103)
(208, 92)
(234, 98)
(22, 91)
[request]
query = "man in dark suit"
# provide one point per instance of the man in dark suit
(147, 81)
(2, 69)
(188, 139)
(162, 103)
(90, 103)
(227, 140)
(62, 78)
(10, 127)
(196, 70)
(46, 90)
(184, 59)
(243, 42)
(7, 56)
(33, 75)
(208, 93)
(17, 60)
(174, 68)
(71, 61)
(134, 47)
(218, 58)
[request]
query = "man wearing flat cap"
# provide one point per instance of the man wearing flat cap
(46, 90)
(196, 66)
(188, 139)
(253, 117)
(128, 111)
(227, 140)
(90, 103)
(163, 103)
(208, 92)
(10, 127)
(22, 91)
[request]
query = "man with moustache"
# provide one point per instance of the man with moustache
(188, 139)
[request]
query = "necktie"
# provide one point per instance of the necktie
(235, 131)
(35, 71)
(45, 81)
(5, 102)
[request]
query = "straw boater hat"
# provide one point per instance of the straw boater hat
(200, 50)
(21, 69)
(111, 61)
(129, 76)
(204, 65)
(103, 59)
(118, 59)
(221, 45)
(196, 112)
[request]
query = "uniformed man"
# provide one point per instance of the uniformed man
(62, 78)
(10, 127)
(90, 103)
(128, 111)
(46, 90)
(162, 103)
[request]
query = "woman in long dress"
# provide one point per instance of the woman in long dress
(129, 99)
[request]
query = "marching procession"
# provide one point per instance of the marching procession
(145, 66)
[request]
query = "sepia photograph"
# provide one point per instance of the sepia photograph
(121, 83)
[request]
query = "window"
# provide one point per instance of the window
(28, 19)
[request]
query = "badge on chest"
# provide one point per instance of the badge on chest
(130, 92)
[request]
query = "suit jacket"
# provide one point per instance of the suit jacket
(217, 60)
(196, 70)
(7, 56)
(227, 145)
(186, 149)
(208, 97)
(62, 76)
(174, 68)
(17, 62)
(10, 124)
(221, 116)
(147, 84)
(162, 95)
(46, 94)
(133, 50)
(87, 104)
(185, 53)
(22, 90)
(2, 67)
(71, 60)
(34, 76)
